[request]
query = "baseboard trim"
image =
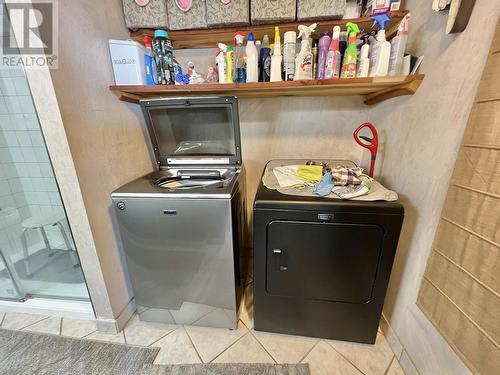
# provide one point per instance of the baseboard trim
(117, 324)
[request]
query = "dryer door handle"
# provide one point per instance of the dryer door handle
(280, 260)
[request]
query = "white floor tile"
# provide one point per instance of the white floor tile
(107, 337)
(77, 328)
(324, 360)
(20, 320)
(176, 348)
(285, 348)
(210, 342)
(245, 350)
(395, 368)
(144, 333)
(371, 359)
(50, 325)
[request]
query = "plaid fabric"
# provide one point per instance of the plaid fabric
(346, 176)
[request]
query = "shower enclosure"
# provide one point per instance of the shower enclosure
(37, 252)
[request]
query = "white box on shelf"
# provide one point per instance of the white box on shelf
(127, 58)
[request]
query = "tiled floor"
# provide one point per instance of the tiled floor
(192, 344)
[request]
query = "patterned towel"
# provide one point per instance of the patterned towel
(346, 176)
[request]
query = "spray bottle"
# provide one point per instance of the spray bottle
(398, 46)
(332, 65)
(240, 61)
(229, 64)
(304, 60)
(221, 63)
(350, 62)
(265, 60)
(324, 44)
(252, 60)
(364, 60)
(381, 50)
(276, 59)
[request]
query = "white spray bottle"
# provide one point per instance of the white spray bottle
(304, 60)
(381, 50)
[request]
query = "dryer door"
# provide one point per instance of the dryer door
(323, 261)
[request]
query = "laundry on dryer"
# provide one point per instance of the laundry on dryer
(183, 226)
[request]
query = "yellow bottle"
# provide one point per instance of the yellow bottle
(229, 64)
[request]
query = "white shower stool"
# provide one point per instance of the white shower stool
(40, 222)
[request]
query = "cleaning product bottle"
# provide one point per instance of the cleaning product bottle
(324, 44)
(364, 60)
(221, 63)
(164, 54)
(265, 61)
(252, 60)
(381, 50)
(304, 60)
(289, 44)
(276, 59)
(314, 51)
(350, 61)
(398, 46)
(240, 66)
(149, 61)
(229, 64)
(333, 57)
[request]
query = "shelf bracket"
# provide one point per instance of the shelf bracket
(407, 88)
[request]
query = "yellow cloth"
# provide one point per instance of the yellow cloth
(310, 173)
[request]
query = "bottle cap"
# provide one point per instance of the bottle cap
(239, 36)
(290, 37)
(265, 41)
(258, 43)
(161, 33)
(250, 37)
(324, 33)
(148, 41)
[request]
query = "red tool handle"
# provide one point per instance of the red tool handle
(372, 144)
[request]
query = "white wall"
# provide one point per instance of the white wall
(423, 134)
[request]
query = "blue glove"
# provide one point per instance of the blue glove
(324, 187)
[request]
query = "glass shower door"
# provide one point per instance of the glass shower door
(38, 257)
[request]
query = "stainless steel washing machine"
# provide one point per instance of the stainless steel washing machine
(183, 226)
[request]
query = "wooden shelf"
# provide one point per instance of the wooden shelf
(375, 89)
(208, 38)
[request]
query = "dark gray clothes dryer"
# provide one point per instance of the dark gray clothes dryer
(321, 266)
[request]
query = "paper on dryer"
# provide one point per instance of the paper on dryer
(287, 177)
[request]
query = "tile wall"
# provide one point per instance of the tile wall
(27, 182)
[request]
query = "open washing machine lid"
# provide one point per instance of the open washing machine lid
(194, 131)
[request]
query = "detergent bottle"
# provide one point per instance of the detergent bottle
(350, 62)
(229, 64)
(332, 65)
(265, 60)
(381, 50)
(324, 44)
(240, 61)
(276, 58)
(221, 63)
(304, 60)
(252, 60)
